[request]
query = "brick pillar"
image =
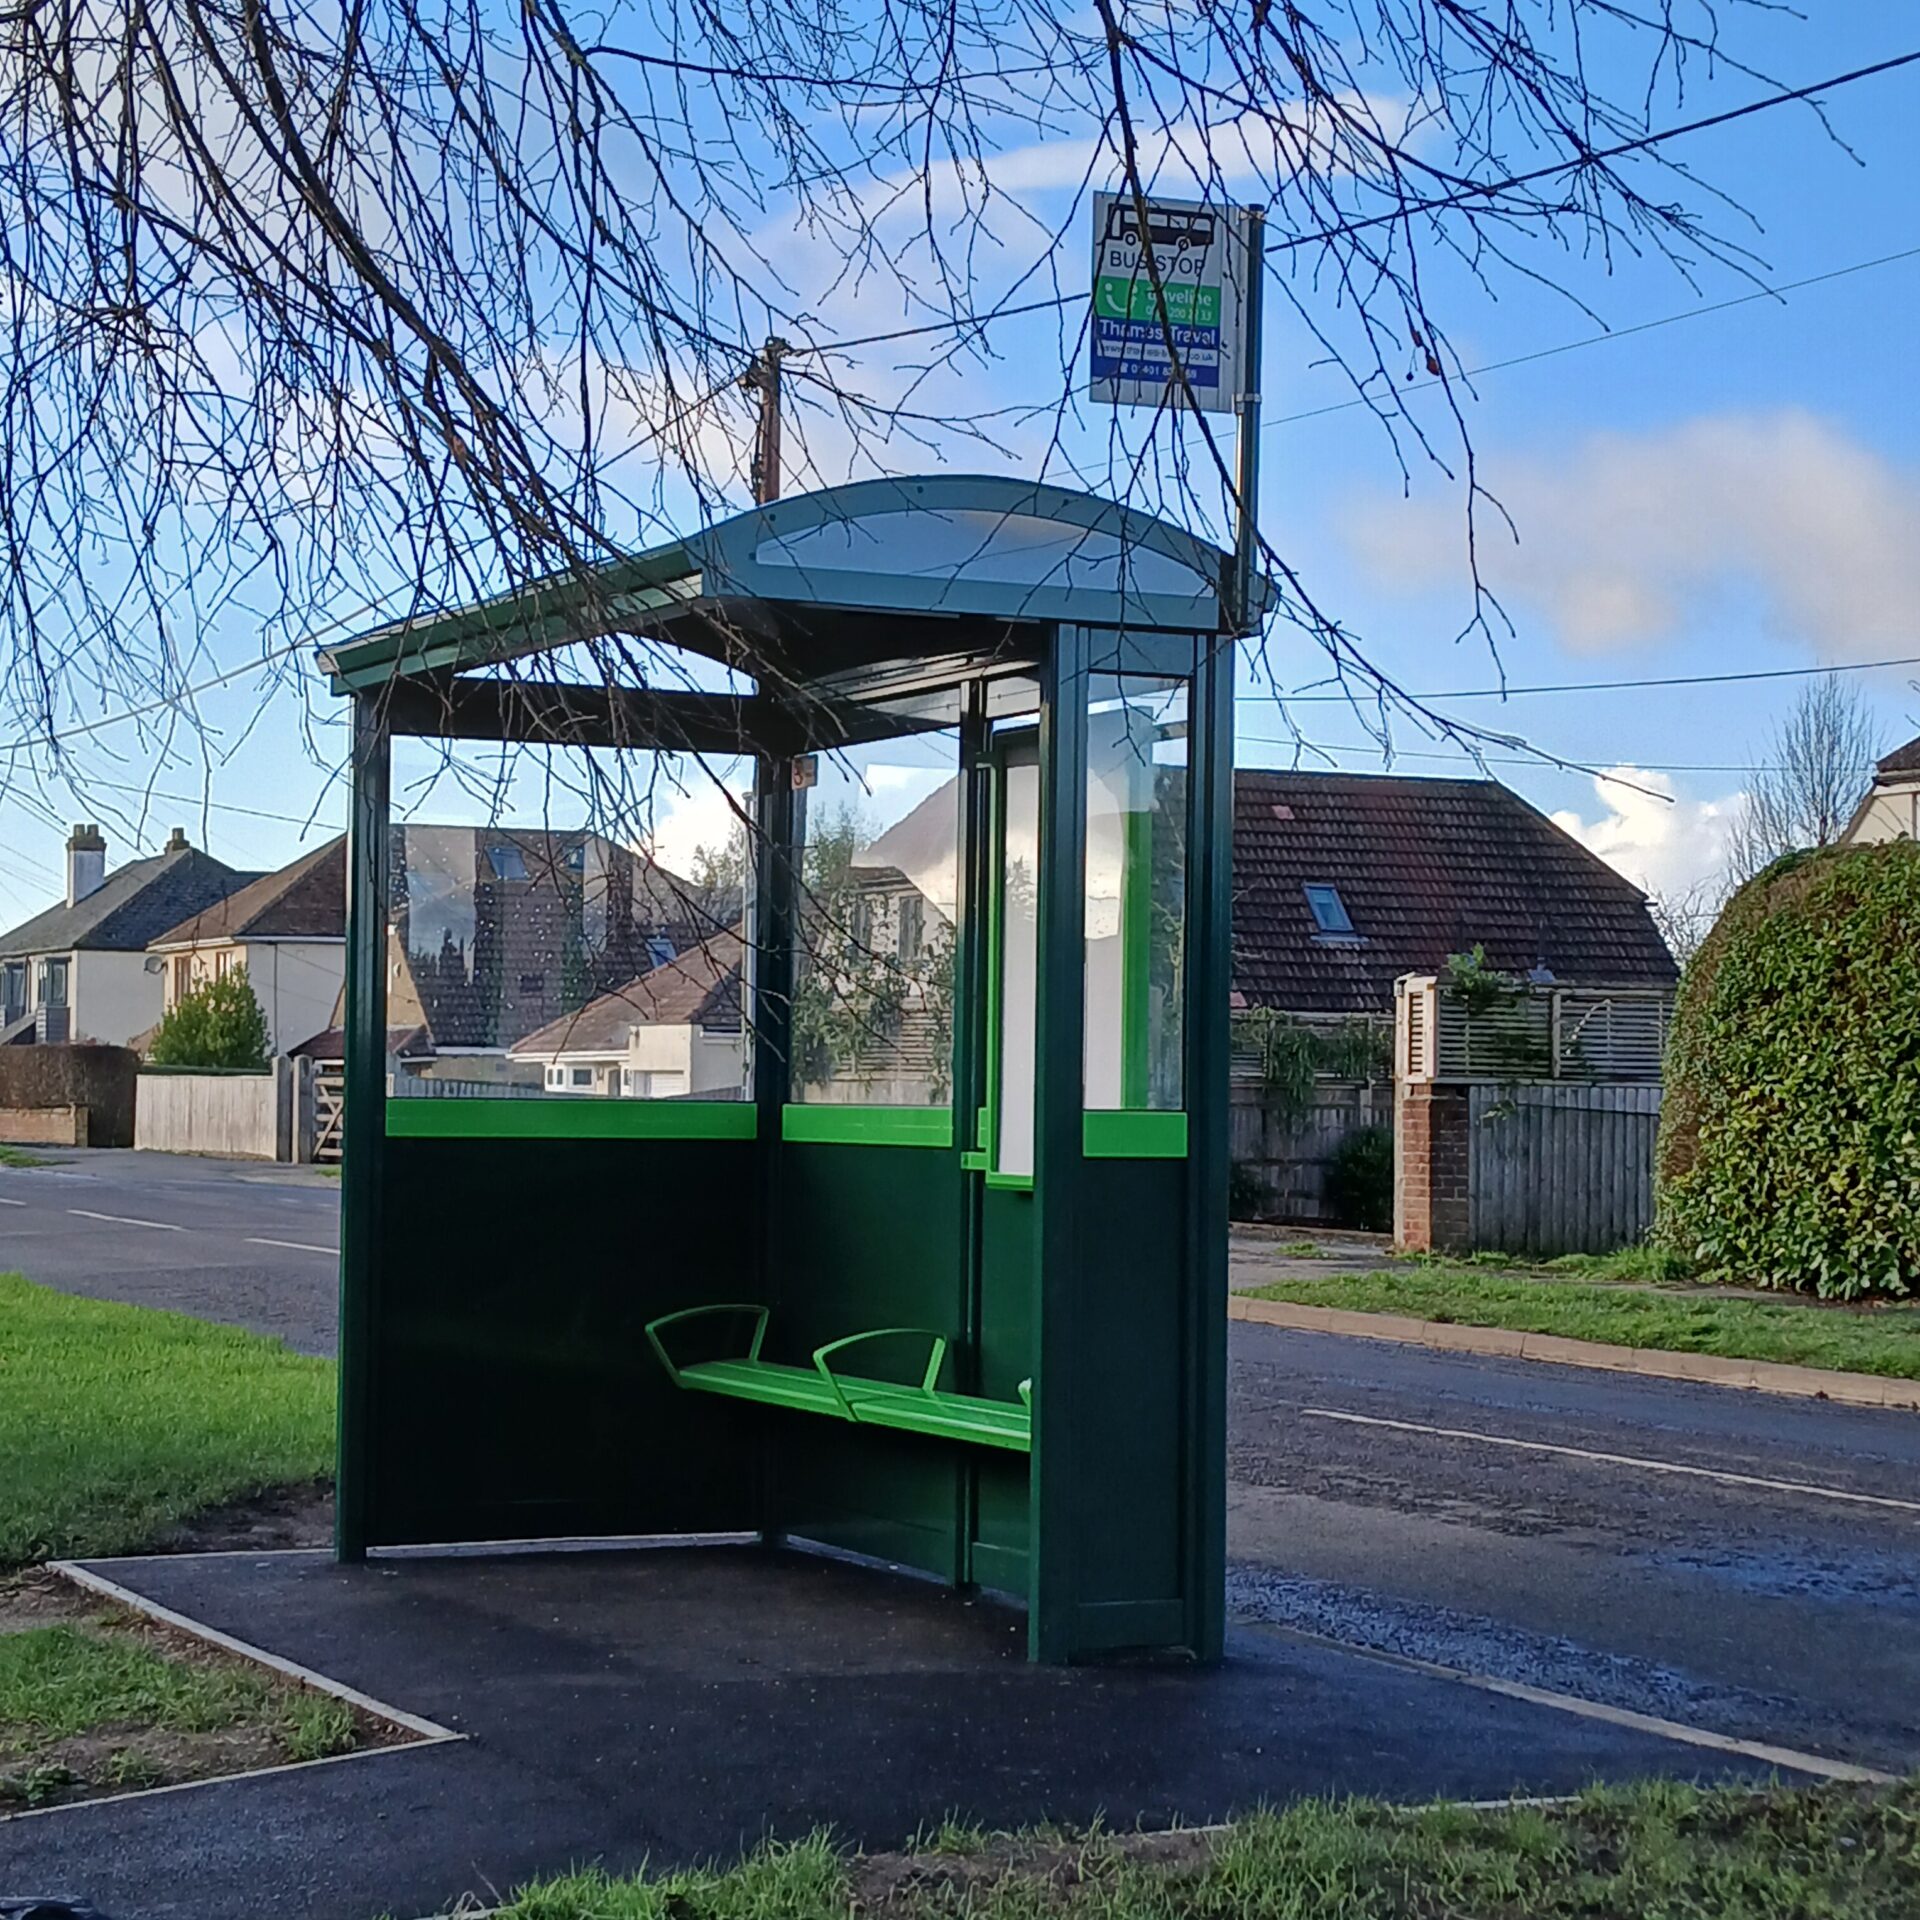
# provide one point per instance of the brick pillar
(1431, 1142)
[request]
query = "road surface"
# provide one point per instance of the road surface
(1732, 1562)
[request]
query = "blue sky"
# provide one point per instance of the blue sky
(1736, 491)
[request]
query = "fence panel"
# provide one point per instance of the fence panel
(242, 1115)
(1288, 1153)
(1561, 1169)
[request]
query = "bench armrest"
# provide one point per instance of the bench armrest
(935, 1359)
(659, 1346)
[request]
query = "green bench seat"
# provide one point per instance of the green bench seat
(910, 1408)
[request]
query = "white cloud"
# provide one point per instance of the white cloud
(1660, 841)
(697, 816)
(1632, 537)
(1309, 137)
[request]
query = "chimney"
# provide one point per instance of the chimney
(177, 841)
(86, 862)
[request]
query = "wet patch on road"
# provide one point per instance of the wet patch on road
(1887, 1581)
(1472, 1643)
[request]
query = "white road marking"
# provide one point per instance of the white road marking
(1764, 1751)
(1645, 1465)
(124, 1220)
(295, 1246)
(11, 1203)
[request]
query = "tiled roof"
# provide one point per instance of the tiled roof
(1425, 868)
(307, 900)
(405, 1043)
(1902, 759)
(130, 906)
(700, 988)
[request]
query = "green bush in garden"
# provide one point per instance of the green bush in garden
(1360, 1180)
(1790, 1138)
(216, 1024)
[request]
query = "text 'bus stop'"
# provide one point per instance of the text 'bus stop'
(949, 1294)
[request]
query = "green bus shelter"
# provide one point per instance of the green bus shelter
(972, 1323)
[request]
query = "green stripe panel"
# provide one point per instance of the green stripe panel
(831, 1124)
(1135, 1136)
(563, 1119)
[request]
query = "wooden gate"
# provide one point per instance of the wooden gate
(329, 1109)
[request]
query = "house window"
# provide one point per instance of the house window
(13, 991)
(659, 951)
(182, 976)
(224, 962)
(507, 862)
(53, 983)
(582, 1076)
(1328, 909)
(533, 983)
(910, 927)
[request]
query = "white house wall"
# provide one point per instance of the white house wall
(297, 983)
(113, 997)
(1888, 813)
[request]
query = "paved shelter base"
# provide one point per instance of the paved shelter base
(669, 1705)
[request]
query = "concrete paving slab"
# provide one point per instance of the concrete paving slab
(673, 1705)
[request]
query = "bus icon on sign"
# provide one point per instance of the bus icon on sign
(1173, 227)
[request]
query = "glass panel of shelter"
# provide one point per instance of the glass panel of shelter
(569, 922)
(1136, 892)
(876, 924)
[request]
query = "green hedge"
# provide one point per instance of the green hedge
(1790, 1140)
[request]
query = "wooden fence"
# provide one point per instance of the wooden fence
(1287, 1154)
(1560, 1169)
(254, 1116)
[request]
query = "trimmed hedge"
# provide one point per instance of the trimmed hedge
(1790, 1137)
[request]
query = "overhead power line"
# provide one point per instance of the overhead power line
(1576, 763)
(1436, 203)
(1602, 338)
(1593, 686)
(167, 701)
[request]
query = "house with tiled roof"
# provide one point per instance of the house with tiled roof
(1890, 809)
(80, 970)
(288, 929)
(673, 1032)
(1344, 882)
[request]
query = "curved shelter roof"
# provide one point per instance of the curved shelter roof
(841, 579)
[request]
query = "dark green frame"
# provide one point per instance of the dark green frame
(1102, 1281)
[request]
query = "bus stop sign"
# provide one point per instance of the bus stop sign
(1199, 254)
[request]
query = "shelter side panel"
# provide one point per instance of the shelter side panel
(1129, 1439)
(1002, 1516)
(867, 1237)
(515, 1395)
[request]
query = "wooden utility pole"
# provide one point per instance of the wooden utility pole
(763, 377)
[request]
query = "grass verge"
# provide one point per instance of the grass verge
(118, 1422)
(1659, 1848)
(20, 1157)
(1882, 1340)
(94, 1699)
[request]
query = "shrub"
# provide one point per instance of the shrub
(1790, 1140)
(216, 1024)
(1360, 1180)
(1246, 1192)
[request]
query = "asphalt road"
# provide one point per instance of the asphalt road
(1730, 1561)
(241, 1241)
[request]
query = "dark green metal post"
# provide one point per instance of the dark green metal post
(769, 1016)
(369, 866)
(971, 1039)
(1209, 987)
(1058, 1136)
